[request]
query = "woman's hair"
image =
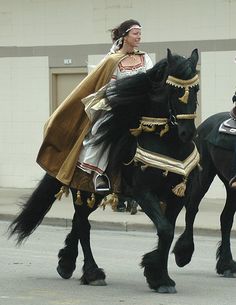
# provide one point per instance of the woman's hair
(121, 30)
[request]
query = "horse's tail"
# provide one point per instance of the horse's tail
(35, 208)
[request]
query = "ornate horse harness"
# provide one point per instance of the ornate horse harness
(149, 124)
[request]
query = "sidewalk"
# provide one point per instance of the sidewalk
(61, 213)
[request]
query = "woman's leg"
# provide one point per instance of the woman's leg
(93, 159)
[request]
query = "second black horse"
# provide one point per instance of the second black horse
(217, 154)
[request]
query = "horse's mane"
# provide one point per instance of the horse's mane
(130, 98)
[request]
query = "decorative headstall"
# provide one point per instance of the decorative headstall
(148, 124)
(186, 84)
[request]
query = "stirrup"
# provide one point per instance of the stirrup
(232, 183)
(104, 186)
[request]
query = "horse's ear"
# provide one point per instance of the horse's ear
(194, 57)
(169, 56)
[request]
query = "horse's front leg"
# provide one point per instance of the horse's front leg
(199, 185)
(226, 266)
(155, 263)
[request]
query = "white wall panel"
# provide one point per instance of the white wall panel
(24, 104)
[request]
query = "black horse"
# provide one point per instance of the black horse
(217, 152)
(158, 107)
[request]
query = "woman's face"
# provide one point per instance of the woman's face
(133, 38)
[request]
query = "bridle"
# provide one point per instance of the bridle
(149, 124)
(186, 85)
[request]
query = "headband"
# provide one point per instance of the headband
(133, 27)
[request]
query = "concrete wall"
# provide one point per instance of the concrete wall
(36, 35)
(53, 22)
(24, 104)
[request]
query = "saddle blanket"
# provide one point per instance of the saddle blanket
(228, 127)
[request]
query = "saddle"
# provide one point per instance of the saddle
(229, 125)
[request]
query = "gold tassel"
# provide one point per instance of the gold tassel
(136, 131)
(114, 201)
(144, 167)
(147, 128)
(179, 189)
(111, 199)
(63, 190)
(164, 130)
(200, 167)
(91, 201)
(165, 173)
(104, 202)
(78, 200)
(184, 98)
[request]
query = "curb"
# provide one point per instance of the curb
(123, 226)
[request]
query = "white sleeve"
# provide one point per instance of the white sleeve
(114, 75)
(148, 62)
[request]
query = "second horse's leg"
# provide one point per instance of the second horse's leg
(225, 263)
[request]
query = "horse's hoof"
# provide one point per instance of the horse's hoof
(182, 261)
(98, 283)
(166, 289)
(229, 274)
(65, 275)
(93, 277)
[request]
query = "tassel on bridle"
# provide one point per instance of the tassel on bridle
(184, 98)
(181, 83)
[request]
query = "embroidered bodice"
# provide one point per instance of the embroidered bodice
(123, 71)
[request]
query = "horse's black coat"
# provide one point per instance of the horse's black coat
(215, 160)
(142, 95)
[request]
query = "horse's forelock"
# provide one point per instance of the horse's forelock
(182, 67)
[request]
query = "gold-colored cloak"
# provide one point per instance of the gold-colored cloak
(66, 128)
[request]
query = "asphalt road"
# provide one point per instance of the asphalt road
(28, 273)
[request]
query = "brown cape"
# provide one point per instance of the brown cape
(65, 130)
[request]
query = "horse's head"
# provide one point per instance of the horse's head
(174, 94)
(182, 87)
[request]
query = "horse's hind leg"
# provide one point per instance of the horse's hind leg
(225, 263)
(67, 256)
(92, 274)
